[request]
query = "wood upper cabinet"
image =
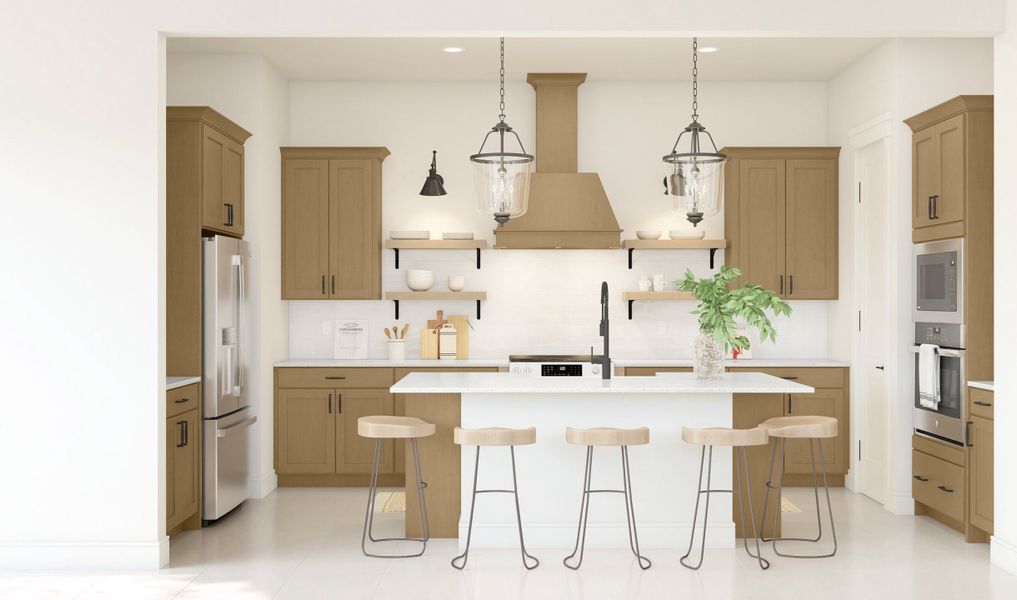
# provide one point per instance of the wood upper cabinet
(980, 478)
(781, 219)
(331, 238)
(951, 166)
(305, 431)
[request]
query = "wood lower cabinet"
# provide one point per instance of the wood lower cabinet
(355, 454)
(183, 459)
(980, 478)
(305, 439)
(781, 218)
(798, 453)
(331, 223)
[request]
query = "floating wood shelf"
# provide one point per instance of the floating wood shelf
(398, 245)
(397, 297)
(711, 245)
(633, 296)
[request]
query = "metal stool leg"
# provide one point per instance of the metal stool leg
(369, 517)
(584, 511)
(519, 518)
(630, 511)
(819, 515)
(742, 459)
(706, 512)
(769, 486)
(462, 558)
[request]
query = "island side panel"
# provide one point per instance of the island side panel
(439, 464)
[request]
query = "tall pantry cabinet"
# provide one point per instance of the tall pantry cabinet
(331, 223)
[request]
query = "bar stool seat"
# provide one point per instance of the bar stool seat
(495, 436)
(492, 437)
(383, 427)
(739, 441)
(813, 428)
(389, 427)
(803, 427)
(607, 436)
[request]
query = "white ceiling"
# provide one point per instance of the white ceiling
(606, 59)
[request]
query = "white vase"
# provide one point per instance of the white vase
(709, 357)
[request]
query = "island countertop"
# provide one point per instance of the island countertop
(663, 383)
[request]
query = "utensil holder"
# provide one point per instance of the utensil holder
(397, 349)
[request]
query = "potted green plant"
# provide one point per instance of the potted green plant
(719, 305)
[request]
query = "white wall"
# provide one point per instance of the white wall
(896, 80)
(87, 345)
(248, 90)
(1004, 542)
(547, 301)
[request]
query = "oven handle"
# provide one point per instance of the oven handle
(948, 352)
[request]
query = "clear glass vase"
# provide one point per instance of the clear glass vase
(709, 357)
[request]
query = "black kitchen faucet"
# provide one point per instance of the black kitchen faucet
(605, 332)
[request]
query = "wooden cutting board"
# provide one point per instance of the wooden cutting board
(462, 335)
(429, 344)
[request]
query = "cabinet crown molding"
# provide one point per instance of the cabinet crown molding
(782, 152)
(210, 116)
(951, 107)
(377, 153)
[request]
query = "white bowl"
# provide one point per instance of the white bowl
(410, 235)
(418, 280)
(644, 234)
(685, 234)
(456, 283)
(455, 235)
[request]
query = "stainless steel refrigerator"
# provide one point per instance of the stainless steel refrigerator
(226, 412)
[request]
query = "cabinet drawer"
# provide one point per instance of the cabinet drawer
(328, 377)
(182, 399)
(941, 450)
(980, 403)
(938, 484)
(817, 377)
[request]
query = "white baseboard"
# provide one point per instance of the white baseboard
(85, 555)
(259, 488)
(900, 503)
(1003, 554)
(598, 535)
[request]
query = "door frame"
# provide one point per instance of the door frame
(879, 130)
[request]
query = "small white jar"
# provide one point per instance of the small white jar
(397, 349)
(456, 283)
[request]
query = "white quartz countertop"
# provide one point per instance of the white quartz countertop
(173, 383)
(381, 362)
(989, 386)
(665, 383)
(741, 362)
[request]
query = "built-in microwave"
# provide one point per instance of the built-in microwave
(939, 282)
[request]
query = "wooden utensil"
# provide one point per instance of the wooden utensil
(406, 328)
(387, 333)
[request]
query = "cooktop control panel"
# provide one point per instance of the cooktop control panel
(565, 370)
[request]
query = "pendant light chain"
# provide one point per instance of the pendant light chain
(695, 79)
(501, 75)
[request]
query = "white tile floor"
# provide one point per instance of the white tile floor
(303, 543)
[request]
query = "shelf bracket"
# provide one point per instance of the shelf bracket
(630, 257)
(397, 266)
(478, 262)
(713, 253)
(396, 304)
(630, 309)
(478, 304)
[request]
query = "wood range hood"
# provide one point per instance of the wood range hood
(567, 209)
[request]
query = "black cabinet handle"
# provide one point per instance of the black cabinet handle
(330, 404)
(935, 207)
(789, 404)
(322, 285)
(340, 404)
(229, 214)
(930, 208)
(945, 489)
(182, 400)
(335, 377)
(980, 403)
(333, 284)
(790, 378)
(920, 478)
(183, 441)
(781, 284)
(791, 284)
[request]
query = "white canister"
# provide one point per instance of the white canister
(447, 342)
(645, 283)
(397, 349)
(658, 282)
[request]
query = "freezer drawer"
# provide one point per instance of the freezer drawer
(225, 470)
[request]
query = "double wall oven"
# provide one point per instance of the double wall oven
(939, 322)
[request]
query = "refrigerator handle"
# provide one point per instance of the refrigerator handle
(241, 324)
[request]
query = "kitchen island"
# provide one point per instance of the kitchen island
(550, 473)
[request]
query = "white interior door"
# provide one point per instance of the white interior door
(874, 320)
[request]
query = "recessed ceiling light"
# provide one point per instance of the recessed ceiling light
(707, 49)
(453, 49)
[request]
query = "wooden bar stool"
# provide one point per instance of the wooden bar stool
(814, 429)
(738, 440)
(607, 436)
(495, 436)
(384, 427)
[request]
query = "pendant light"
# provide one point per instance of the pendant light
(434, 185)
(694, 175)
(502, 178)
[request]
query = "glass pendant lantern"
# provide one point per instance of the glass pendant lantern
(694, 175)
(502, 177)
